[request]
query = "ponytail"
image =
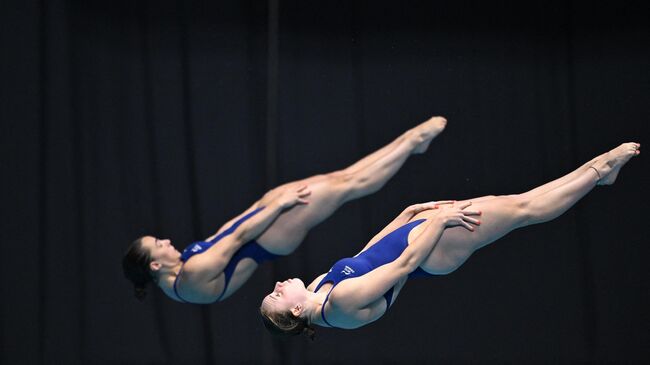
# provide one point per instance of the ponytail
(136, 268)
(286, 324)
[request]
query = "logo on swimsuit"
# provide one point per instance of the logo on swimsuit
(347, 270)
(196, 248)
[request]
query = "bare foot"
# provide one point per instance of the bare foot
(610, 164)
(424, 133)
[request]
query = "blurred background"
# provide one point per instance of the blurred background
(124, 118)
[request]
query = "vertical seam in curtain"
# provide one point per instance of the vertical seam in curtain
(153, 174)
(358, 107)
(271, 162)
(77, 163)
(590, 325)
(42, 172)
(184, 14)
(272, 94)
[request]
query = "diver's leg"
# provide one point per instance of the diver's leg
(563, 179)
(503, 214)
(330, 191)
(371, 173)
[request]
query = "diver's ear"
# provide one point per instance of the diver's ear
(297, 310)
(155, 265)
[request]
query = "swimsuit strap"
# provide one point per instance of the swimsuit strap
(175, 286)
(251, 250)
(225, 284)
(322, 309)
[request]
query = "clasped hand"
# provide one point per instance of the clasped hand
(451, 212)
(290, 197)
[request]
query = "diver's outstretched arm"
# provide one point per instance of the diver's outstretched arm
(233, 220)
(215, 259)
(403, 218)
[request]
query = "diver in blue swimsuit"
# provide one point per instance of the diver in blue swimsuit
(250, 249)
(213, 269)
(425, 239)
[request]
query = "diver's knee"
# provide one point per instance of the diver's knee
(521, 206)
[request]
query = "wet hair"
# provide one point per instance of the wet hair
(136, 267)
(285, 324)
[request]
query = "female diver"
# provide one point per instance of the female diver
(212, 270)
(425, 239)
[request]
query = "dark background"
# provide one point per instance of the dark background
(124, 118)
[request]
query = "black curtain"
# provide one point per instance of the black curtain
(125, 118)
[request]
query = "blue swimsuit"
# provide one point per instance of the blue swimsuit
(251, 250)
(386, 250)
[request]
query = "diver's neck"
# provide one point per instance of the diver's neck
(168, 275)
(316, 302)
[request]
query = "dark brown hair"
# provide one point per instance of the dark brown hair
(285, 324)
(136, 267)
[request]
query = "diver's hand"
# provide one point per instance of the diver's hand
(457, 215)
(414, 209)
(290, 197)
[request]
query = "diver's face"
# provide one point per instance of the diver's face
(161, 250)
(285, 296)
